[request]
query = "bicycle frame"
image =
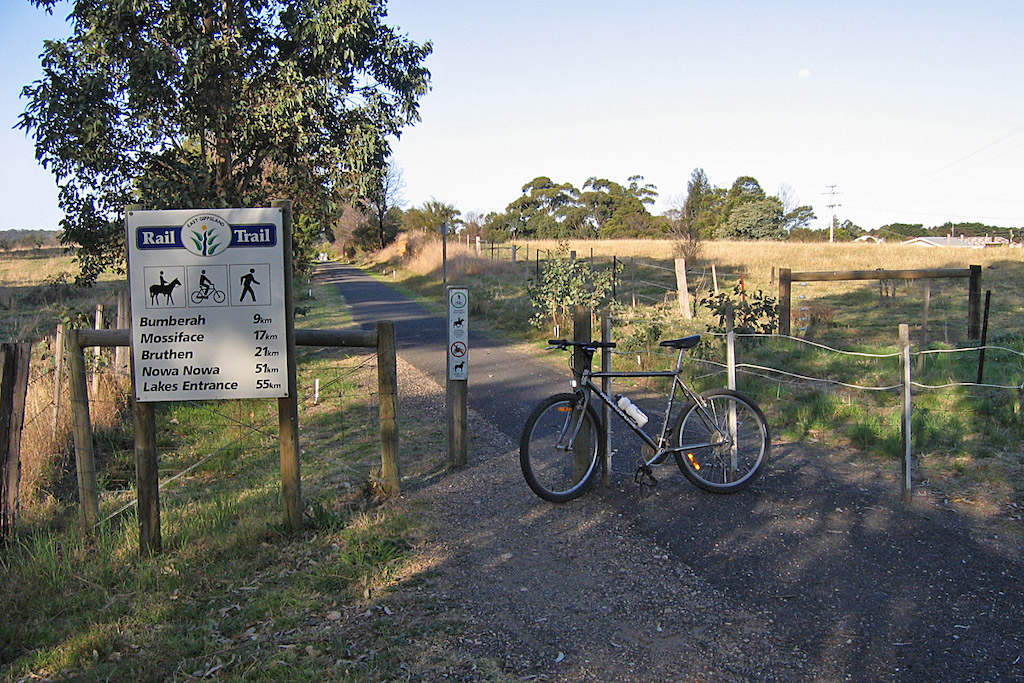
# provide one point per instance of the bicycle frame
(587, 388)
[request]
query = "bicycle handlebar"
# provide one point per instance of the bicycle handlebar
(592, 345)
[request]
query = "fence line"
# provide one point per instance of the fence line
(906, 384)
(257, 429)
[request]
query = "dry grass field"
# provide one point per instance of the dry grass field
(854, 312)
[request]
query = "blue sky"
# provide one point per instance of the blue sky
(913, 110)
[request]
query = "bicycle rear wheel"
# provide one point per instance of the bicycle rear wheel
(724, 444)
(560, 448)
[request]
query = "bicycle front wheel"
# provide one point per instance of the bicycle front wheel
(560, 448)
(723, 443)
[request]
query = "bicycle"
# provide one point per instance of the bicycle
(202, 294)
(720, 440)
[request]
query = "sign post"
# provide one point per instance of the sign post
(458, 373)
(211, 319)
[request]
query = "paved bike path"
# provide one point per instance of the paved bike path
(503, 386)
(863, 586)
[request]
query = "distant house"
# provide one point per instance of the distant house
(947, 241)
(987, 240)
(870, 238)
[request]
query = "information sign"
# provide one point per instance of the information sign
(208, 309)
(458, 333)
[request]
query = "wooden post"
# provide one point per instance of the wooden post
(684, 293)
(288, 406)
(974, 303)
(514, 249)
(606, 387)
(14, 366)
(714, 276)
(923, 344)
(387, 381)
(906, 436)
(124, 317)
(784, 293)
(97, 352)
(984, 337)
(58, 378)
(85, 464)
(580, 332)
(147, 477)
(147, 471)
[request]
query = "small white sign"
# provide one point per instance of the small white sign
(458, 333)
(208, 309)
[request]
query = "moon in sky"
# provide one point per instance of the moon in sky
(804, 74)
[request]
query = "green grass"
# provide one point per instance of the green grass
(234, 594)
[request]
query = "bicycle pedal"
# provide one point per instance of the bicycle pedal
(644, 477)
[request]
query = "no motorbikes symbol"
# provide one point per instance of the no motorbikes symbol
(458, 349)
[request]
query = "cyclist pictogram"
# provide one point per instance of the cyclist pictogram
(207, 291)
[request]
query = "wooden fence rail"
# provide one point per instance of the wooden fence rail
(973, 274)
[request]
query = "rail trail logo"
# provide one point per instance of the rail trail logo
(206, 234)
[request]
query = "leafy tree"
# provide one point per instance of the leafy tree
(611, 210)
(756, 220)
(543, 208)
(179, 103)
(430, 217)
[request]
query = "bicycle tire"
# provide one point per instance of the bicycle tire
(218, 296)
(712, 466)
(548, 467)
(197, 297)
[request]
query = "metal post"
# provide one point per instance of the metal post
(906, 436)
(606, 387)
(984, 337)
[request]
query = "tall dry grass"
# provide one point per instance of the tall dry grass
(423, 255)
(756, 259)
(35, 294)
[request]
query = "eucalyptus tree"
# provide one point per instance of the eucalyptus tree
(188, 103)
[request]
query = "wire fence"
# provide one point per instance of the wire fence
(870, 372)
(337, 378)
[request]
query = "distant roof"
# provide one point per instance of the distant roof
(942, 242)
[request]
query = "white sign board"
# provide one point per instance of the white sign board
(208, 309)
(458, 333)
